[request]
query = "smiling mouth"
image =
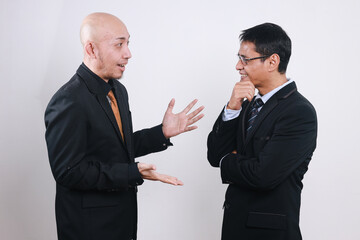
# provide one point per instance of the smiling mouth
(121, 65)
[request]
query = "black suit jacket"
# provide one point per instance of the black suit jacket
(94, 169)
(264, 177)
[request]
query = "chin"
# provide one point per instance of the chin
(117, 76)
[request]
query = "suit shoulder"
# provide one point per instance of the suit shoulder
(303, 102)
(73, 93)
(72, 89)
(298, 106)
(70, 98)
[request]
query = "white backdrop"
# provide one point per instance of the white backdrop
(184, 49)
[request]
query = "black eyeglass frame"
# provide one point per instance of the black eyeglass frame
(246, 60)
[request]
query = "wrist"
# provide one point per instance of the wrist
(235, 106)
(164, 132)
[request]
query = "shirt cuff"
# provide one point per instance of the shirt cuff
(166, 141)
(229, 114)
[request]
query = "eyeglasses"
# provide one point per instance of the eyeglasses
(245, 61)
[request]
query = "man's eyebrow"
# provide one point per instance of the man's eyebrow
(121, 38)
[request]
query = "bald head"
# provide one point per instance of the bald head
(97, 26)
(105, 43)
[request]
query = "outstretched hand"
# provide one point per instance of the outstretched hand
(175, 124)
(148, 172)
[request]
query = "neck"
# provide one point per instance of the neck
(94, 69)
(272, 83)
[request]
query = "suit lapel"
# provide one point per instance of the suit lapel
(90, 81)
(104, 102)
(243, 120)
(266, 109)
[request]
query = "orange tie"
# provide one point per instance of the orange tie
(116, 112)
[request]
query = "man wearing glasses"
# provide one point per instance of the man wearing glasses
(263, 142)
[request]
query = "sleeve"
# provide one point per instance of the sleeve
(230, 114)
(291, 144)
(72, 166)
(150, 140)
(221, 140)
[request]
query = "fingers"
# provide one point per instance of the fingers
(175, 124)
(148, 172)
(188, 129)
(196, 112)
(190, 106)
(195, 119)
(245, 86)
(250, 97)
(242, 90)
(192, 121)
(171, 105)
(170, 180)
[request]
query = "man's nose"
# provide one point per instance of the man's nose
(239, 65)
(127, 53)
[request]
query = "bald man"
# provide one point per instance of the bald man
(91, 143)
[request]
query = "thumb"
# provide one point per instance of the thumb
(146, 166)
(171, 105)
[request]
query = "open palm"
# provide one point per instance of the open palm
(175, 124)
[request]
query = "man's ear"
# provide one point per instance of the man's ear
(274, 61)
(90, 50)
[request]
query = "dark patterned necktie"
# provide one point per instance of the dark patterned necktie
(254, 112)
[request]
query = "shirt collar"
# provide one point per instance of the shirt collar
(267, 96)
(105, 87)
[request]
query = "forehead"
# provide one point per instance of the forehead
(116, 31)
(247, 49)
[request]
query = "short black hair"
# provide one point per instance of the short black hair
(268, 39)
